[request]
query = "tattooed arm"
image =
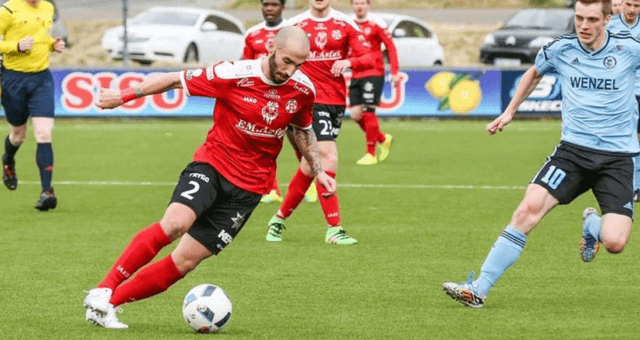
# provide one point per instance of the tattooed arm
(306, 142)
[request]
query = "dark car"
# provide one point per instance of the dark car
(522, 36)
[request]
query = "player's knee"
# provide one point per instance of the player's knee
(186, 265)
(17, 138)
(174, 227)
(43, 135)
(615, 245)
(329, 160)
(526, 216)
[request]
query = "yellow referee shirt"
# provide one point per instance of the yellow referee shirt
(19, 20)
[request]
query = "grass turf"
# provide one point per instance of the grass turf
(428, 214)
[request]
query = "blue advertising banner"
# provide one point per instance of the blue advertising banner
(427, 93)
(443, 93)
(545, 100)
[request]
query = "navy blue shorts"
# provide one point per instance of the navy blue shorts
(571, 171)
(27, 94)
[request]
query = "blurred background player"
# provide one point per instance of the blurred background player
(595, 152)
(332, 34)
(27, 88)
(627, 22)
(255, 47)
(366, 85)
(616, 6)
(216, 193)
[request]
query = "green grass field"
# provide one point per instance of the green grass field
(429, 214)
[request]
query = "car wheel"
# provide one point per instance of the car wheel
(191, 55)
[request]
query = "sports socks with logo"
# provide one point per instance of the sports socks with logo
(152, 280)
(297, 188)
(44, 159)
(142, 249)
(504, 253)
(330, 205)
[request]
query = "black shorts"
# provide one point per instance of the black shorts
(327, 120)
(366, 91)
(570, 171)
(27, 94)
(221, 208)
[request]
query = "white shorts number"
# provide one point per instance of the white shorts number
(187, 194)
(554, 177)
(327, 128)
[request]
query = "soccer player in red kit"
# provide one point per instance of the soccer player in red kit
(255, 47)
(256, 101)
(366, 85)
(332, 35)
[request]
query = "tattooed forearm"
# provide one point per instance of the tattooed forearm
(307, 143)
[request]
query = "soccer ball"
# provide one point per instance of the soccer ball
(206, 308)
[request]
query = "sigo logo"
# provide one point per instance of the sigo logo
(81, 91)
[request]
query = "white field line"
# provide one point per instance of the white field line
(342, 185)
(402, 126)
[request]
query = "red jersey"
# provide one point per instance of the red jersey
(376, 33)
(256, 39)
(250, 118)
(330, 39)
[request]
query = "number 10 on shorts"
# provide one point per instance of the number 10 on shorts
(554, 177)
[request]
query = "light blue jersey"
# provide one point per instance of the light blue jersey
(599, 110)
(618, 25)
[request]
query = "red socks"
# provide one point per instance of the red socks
(142, 249)
(330, 206)
(372, 131)
(297, 188)
(150, 281)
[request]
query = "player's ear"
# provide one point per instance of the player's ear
(271, 46)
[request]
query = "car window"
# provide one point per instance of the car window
(165, 18)
(541, 19)
(413, 30)
(223, 24)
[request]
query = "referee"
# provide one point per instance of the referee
(27, 87)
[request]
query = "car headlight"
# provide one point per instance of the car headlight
(540, 41)
(489, 40)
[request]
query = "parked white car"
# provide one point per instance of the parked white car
(416, 42)
(178, 34)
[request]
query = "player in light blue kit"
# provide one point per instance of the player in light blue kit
(598, 142)
(628, 21)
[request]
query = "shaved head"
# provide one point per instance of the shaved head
(292, 38)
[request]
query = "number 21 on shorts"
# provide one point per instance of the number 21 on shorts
(553, 177)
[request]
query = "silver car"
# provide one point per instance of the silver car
(416, 42)
(178, 34)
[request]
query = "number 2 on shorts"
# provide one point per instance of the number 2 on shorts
(187, 194)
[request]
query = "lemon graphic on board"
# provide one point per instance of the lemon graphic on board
(465, 96)
(438, 85)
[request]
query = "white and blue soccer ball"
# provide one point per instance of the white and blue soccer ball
(206, 308)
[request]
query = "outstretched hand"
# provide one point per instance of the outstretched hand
(328, 183)
(109, 99)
